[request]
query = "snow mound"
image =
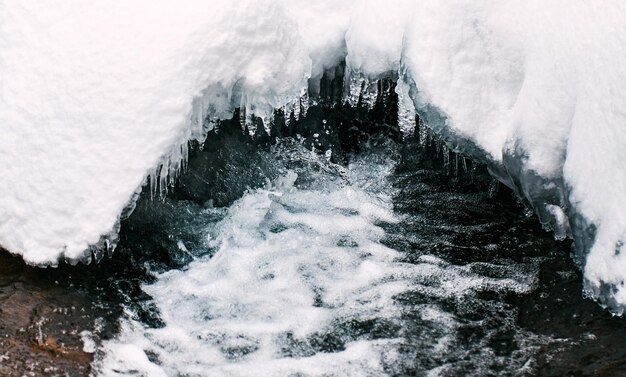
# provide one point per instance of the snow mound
(96, 96)
(539, 89)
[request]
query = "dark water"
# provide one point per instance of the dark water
(550, 330)
(485, 291)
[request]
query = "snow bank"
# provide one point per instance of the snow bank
(96, 95)
(539, 88)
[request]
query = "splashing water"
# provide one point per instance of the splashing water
(301, 280)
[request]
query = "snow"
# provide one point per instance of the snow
(544, 84)
(96, 96)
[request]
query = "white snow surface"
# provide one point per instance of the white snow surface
(95, 95)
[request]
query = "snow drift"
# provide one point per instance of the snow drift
(95, 97)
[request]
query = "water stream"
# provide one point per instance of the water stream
(392, 261)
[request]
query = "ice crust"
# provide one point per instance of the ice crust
(96, 96)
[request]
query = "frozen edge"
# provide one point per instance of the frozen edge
(207, 109)
(549, 198)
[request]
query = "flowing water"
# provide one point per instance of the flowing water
(393, 262)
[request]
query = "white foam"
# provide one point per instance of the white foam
(292, 265)
(89, 345)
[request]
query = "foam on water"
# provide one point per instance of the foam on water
(301, 283)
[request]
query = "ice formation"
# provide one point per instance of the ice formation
(96, 96)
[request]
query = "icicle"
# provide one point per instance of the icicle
(242, 118)
(162, 182)
(304, 104)
(250, 125)
(153, 186)
(362, 91)
(296, 109)
(424, 133)
(406, 110)
(184, 152)
(267, 121)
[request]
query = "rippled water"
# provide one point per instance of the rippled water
(391, 264)
(377, 268)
